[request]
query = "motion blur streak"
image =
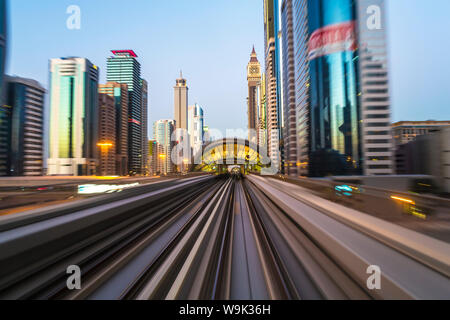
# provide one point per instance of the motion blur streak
(216, 237)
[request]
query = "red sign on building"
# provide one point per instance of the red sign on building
(332, 39)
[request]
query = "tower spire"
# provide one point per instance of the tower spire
(253, 56)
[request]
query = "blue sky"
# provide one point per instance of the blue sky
(211, 40)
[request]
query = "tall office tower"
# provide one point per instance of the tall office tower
(123, 67)
(196, 128)
(120, 94)
(144, 117)
(377, 144)
(107, 135)
(254, 91)
(342, 89)
(5, 111)
(73, 117)
(3, 49)
(302, 84)
(273, 139)
(22, 141)
(279, 71)
(163, 130)
(288, 97)
(181, 103)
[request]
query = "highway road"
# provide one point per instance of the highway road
(216, 238)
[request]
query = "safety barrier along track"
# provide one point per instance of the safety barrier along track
(202, 238)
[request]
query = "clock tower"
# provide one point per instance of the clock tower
(254, 91)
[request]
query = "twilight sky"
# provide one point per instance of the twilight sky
(211, 41)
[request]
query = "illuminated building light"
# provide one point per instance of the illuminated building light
(403, 200)
(105, 144)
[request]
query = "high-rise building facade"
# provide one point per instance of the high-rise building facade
(341, 89)
(107, 135)
(254, 92)
(119, 92)
(5, 111)
(288, 97)
(123, 67)
(73, 117)
(163, 130)
(302, 84)
(196, 128)
(377, 144)
(5, 138)
(3, 49)
(181, 100)
(271, 71)
(22, 142)
(144, 117)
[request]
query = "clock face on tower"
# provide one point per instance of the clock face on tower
(254, 70)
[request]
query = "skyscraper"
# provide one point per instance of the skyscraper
(23, 142)
(144, 117)
(3, 50)
(289, 111)
(5, 137)
(273, 124)
(120, 94)
(302, 84)
(163, 130)
(195, 128)
(107, 135)
(341, 89)
(124, 67)
(73, 117)
(181, 101)
(377, 144)
(5, 111)
(254, 92)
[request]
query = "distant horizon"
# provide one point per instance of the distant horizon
(214, 59)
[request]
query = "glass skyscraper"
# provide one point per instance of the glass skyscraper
(25, 138)
(341, 89)
(123, 67)
(73, 117)
(334, 87)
